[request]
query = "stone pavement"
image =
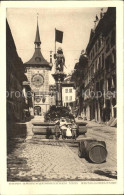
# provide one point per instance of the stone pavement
(46, 161)
(50, 162)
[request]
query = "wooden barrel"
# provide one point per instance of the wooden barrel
(81, 149)
(96, 151)
(82, 144)
(82, 128)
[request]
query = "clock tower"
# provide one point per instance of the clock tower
(37, 72)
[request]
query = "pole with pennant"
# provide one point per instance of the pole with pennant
(59, 78)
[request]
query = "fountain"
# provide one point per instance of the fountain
(46, 127)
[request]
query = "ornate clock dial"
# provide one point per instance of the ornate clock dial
(37, 80)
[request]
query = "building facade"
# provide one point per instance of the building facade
(78, 79)
(37, 72)
(68, 94)
(100, 75)
(15, 77)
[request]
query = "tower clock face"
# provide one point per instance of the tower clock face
(37, 80)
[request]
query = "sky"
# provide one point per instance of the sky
(76, 23)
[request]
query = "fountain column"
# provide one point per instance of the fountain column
(59, 75)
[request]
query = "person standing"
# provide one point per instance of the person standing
(57, 130)
(63, 129)
(74, 130)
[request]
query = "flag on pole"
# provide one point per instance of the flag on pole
(58, 36)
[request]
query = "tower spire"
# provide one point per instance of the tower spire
(37, 38)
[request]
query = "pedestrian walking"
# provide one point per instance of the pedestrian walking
(74, 130)
(57, 130)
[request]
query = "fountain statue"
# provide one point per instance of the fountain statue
(60, 60)
(59, 75)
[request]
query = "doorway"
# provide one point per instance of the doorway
(37, 110)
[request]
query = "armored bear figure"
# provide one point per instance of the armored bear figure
(60, 60)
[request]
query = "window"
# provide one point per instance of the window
(88, 76)
(113, 38)
(91, 56)
(103, 60)
(108, 63)
(109, 84)
(114, 81)
(96, 47)
(66, 98)
(107, 44)
(70, 90)
(93, 52)
(99, 62)
(92, 71)
(70, 98)
(113, 57)
(66, 90)
(101, 40)
(96, 66)
(97, 86)
(101, 85)
(93, 68)
(99, 43)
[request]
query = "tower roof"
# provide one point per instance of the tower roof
(37, 38)
(37, 58)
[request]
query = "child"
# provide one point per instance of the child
(68, 132)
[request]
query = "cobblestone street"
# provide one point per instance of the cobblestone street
(33, 160)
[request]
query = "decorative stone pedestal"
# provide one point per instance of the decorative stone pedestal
(59, 78)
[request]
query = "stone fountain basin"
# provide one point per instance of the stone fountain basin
(44, 128)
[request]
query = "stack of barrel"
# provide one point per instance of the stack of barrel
(93, 150)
